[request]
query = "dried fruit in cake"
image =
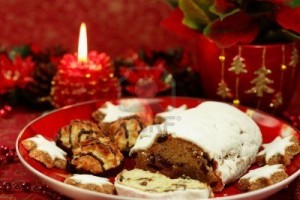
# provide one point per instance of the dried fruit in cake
(98, 156)
(72, 134)
(91, 182)
(45, 151)
(262, 177)
(279, 151)
(171, 113)
(145, 184)
(214, 143)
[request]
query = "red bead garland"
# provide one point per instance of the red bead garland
(8, 155)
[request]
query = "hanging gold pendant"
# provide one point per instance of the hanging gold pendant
(261, 81)
(278, 99)
(237, 67)
(294, 60)
(223, 90)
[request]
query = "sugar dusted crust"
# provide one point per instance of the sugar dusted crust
(214, 142)
(262, 177)
(279, 151)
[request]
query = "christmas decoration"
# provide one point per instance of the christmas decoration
(238, 67)
(163, 72)
(261, 81)
(294, 60)
(223, 90)
(15, 73)
(8, 155)
(278, 99)
(28, 72)
(80, 81)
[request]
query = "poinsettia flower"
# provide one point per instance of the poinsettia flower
(234, 29)
(285, 15)
(16, 73)
(145, 80)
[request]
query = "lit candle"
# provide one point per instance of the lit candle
(84, 75)
(82, 44)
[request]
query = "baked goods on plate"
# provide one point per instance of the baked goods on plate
(122, 122)
(214, 143)
(91, 182)
(262, 177)
(145, 184)
(270, 127)
(280, 151)
(45, 151)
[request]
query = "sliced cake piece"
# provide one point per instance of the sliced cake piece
(146, 184)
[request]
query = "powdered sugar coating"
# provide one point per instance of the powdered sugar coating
(114, 112)
(263, 172)
(228, 135)
(47, 146)
(172, 111)
(90, 179)
(277, 146)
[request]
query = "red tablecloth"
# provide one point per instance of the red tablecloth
(11, 126)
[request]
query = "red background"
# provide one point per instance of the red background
(113, 26)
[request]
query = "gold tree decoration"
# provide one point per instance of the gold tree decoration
(261, 82)
(238, 67)
(278, 99)
(223, 90)
(294, 60)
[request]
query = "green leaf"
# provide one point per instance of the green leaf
(223, 15)
(295, 3)
(196, 12)
(173, 3)
(23, 50)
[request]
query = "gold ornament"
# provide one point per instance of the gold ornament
(261, 81)
(223, 90)
(238, 67)
(277, 101)
(294, 60)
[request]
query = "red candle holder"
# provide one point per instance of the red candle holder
(78, 81)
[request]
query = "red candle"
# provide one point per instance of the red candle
(84, 76)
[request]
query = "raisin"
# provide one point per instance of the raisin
(162, 138)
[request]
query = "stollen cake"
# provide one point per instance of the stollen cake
(145, 184)
(214, 143)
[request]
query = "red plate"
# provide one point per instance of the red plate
(48, 125)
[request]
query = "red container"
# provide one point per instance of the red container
(252, 88)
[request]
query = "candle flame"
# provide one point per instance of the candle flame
(82, 44)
